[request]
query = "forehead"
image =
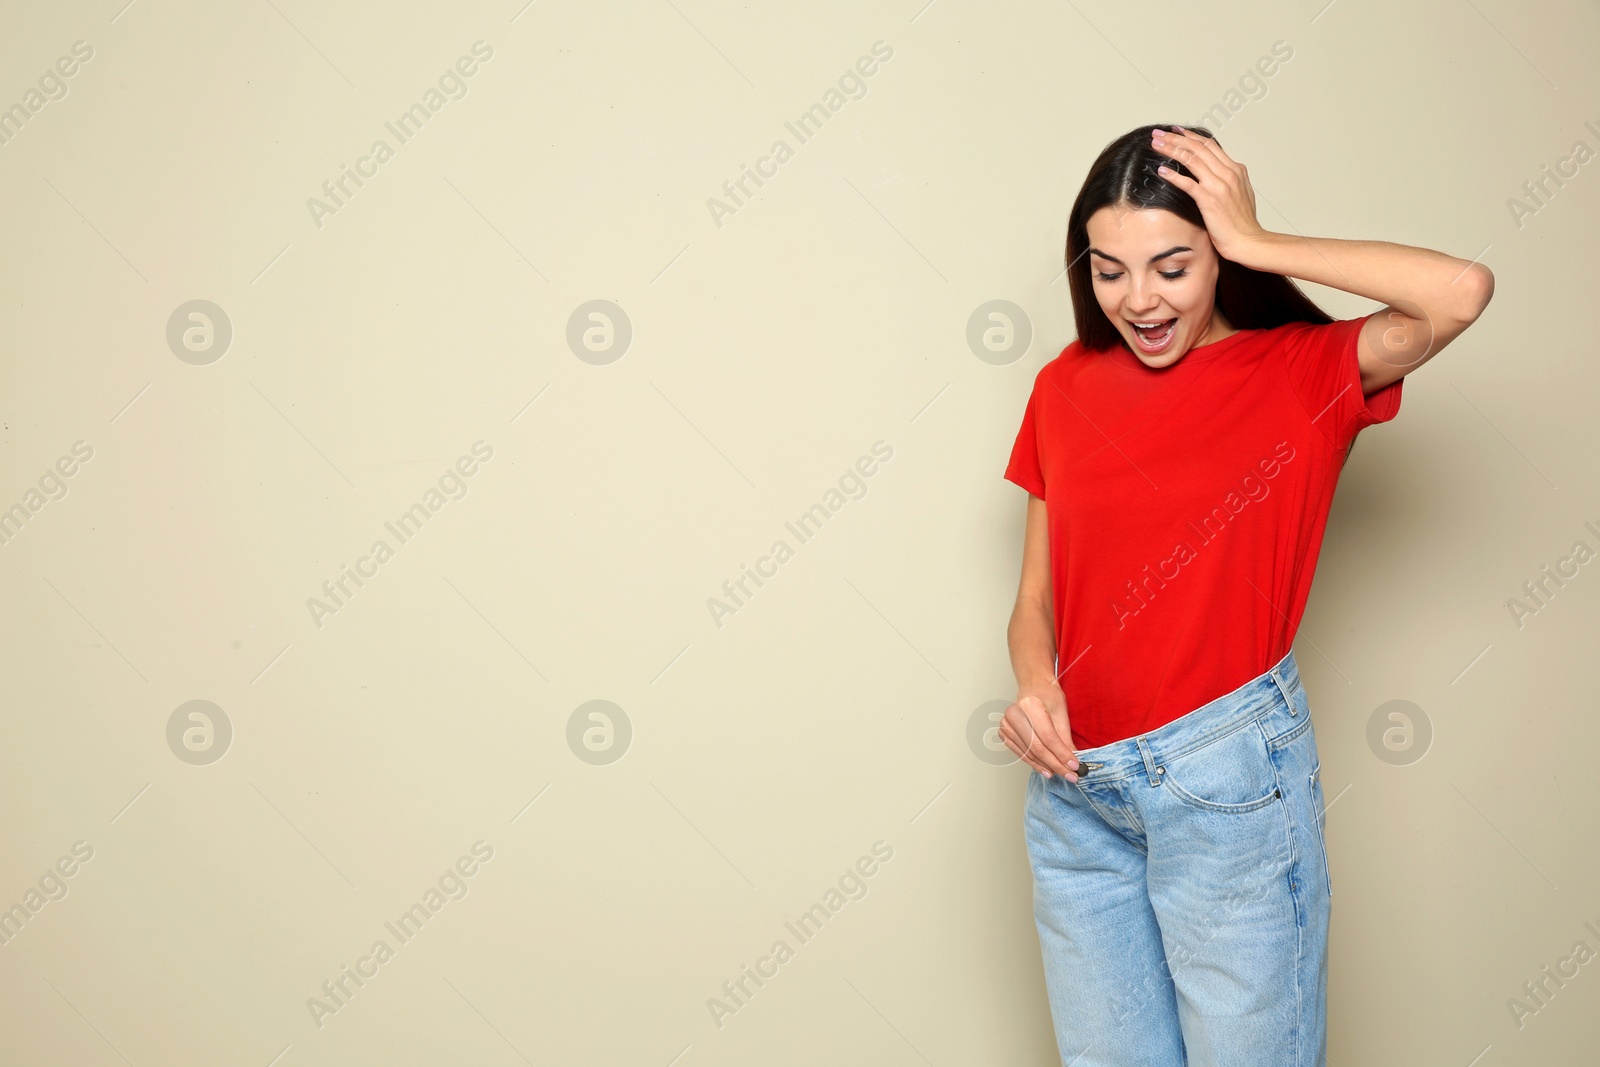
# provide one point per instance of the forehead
(1138, 232)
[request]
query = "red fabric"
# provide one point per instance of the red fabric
(1187, 507)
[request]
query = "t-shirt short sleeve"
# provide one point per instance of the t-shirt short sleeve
(1326, 373)
(1024, 467)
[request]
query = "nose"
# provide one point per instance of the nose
(1140, 299)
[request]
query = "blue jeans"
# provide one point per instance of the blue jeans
(1181, 889)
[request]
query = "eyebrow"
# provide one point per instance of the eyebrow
(1174, 250)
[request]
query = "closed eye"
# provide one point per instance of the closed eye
(1170, 275)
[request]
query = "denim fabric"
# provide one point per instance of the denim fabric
(1181, 889)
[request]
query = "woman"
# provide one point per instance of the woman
(1181, 457)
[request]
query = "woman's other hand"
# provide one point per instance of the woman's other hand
(1220, 187)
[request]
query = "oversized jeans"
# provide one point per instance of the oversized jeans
(1181, 889)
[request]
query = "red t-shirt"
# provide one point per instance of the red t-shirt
(1187, 506)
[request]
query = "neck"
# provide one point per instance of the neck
(1219, 329)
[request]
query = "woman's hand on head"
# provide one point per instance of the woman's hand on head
(1037, 730)
(1220, 187)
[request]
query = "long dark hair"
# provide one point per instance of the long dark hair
(1125, 175)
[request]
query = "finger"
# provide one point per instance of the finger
(1056, 751)
(1038, 730)
(1030, 761)
(1182, 181)
(1202, 155)
(1022, 754)
(1186, 150)
(1048, 731)
(1018, 735)
(1051, 735)
(1060, 744)
(1030, 746)
(1214, 148)
(1205, 148)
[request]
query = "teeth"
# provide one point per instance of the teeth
(1147, 332)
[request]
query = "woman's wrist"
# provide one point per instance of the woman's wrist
(1037, 683)
(1253, 251)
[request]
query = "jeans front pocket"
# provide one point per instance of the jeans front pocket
(1233, 773)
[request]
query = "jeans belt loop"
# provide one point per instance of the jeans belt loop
(1153, 772)
(1283, 687)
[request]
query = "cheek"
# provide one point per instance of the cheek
(1108, 298)
(1193, 296)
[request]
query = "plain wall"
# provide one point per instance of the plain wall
(769, 750)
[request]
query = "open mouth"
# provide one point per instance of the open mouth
(1154, 336)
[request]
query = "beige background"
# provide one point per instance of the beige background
(768, 353)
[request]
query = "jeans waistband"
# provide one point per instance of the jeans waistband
(1274, 688)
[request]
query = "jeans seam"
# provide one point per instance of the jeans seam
(1106, 818)
(1317, 817)
(1186, 797)
(1299, 932)
(1246, 716)
(1288, 738)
